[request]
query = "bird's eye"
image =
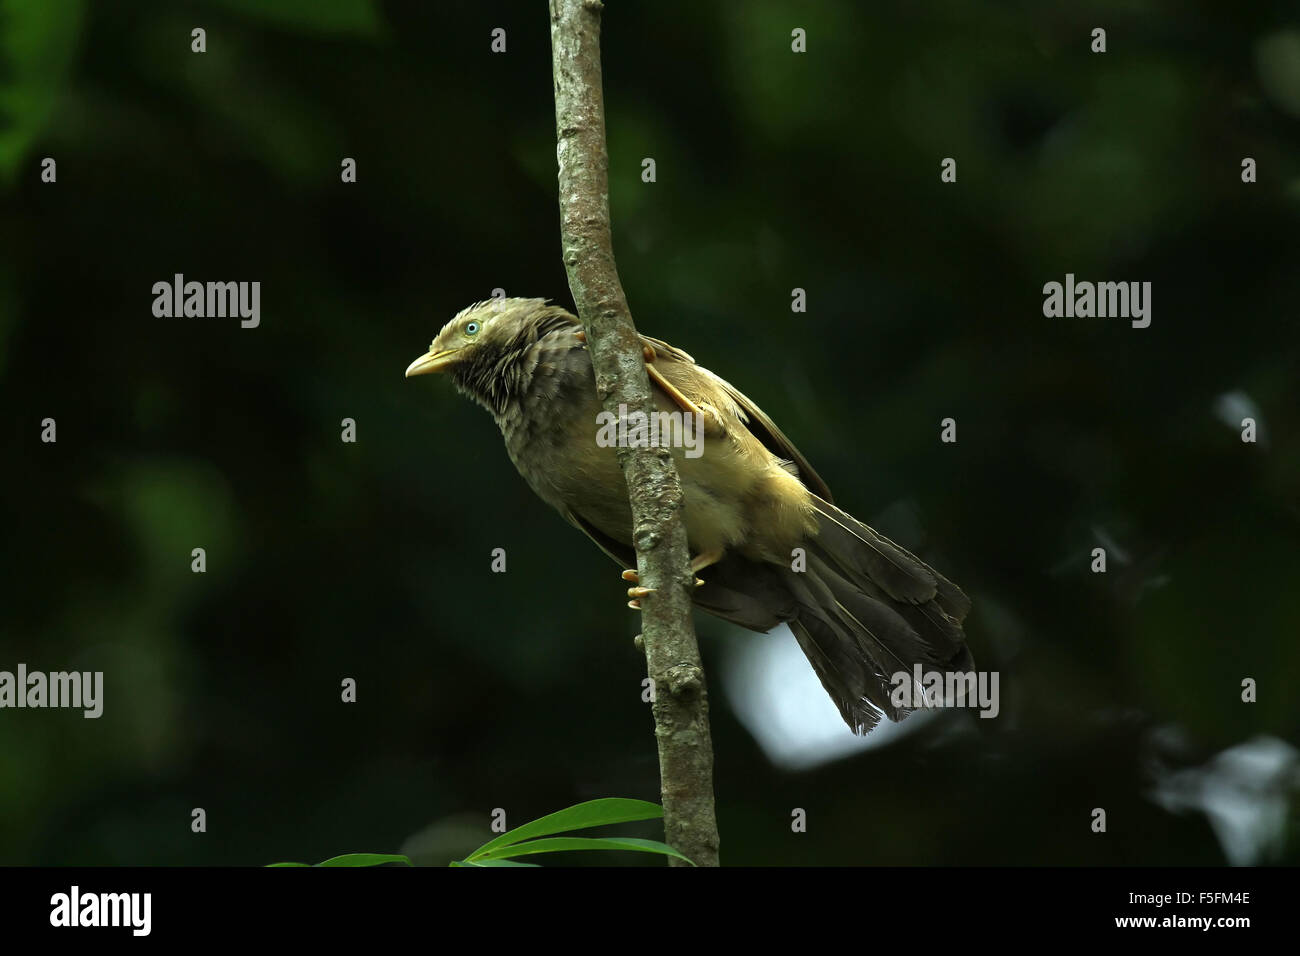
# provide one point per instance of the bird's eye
(471, 328)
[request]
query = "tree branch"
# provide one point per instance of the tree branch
(681, 709)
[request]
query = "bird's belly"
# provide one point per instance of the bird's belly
(562, 462)
(714, 498)
(713, 492)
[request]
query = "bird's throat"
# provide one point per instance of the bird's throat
(496, 378)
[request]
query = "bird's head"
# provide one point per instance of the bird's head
(485, 347)
(482, 328)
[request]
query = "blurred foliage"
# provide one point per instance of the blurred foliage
(37, 44)
(522, 691)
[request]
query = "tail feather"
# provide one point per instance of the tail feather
(853, 694)
(869, 610)
(863, 553)
(863, 610)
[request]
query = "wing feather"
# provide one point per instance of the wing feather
(707, 389)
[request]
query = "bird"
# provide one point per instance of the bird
(768, 544)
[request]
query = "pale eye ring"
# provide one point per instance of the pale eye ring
(471, 328)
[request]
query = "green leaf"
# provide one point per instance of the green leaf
(593, 813)
(558, 844)
(356, 859)
(491, 863)
(366, 859)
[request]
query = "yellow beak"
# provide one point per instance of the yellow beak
(431, 362)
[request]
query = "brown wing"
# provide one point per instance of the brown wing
(695, 380)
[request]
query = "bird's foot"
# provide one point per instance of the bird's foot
(637, 593)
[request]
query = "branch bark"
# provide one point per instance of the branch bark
(681, 708)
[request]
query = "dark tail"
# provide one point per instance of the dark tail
(868, 609)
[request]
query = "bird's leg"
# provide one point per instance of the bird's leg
(704, 560)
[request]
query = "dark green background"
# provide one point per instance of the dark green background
(775, 171)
